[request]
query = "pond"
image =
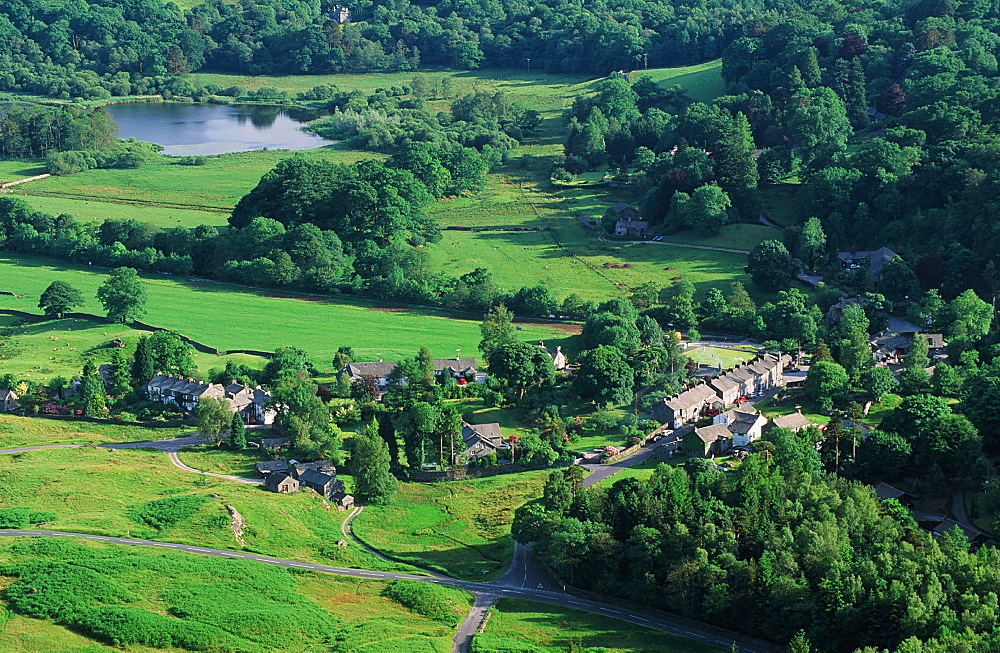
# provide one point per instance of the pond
(205, 129)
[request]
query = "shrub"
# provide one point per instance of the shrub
(22, 517)
(124, 626)
(56, 589)
(431, 601)
(164, 513)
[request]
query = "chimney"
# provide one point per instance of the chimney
(558, 349)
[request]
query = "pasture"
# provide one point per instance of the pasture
(91, 210)
(35, 431)
(230, 317)
(460, 528)
(249, 606)
(721, 357)
(40, 351)
(105, 491)
(521, 625)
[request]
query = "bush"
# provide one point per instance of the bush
(55, 589)
(22, 517)
(124, 626)
(164, 513)
(431, 601)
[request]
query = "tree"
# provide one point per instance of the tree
(213, 414)
(343, 358)
(169, 354)
(883, 455)
(918, 356)
(59, 298)
(520, 366)
(605, 376)
(898, 281)
(123, 295)
(706, 212)
(826, 380)
(370, 466)
(497, 329)
(735, 167)
(812, 243)
(771, 266)
(237, 432)
(878, 382)
(143, 364)
(119, 374)
(972, 316)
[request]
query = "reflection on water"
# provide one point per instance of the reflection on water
(203, 129)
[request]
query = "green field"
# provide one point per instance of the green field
(520, 624)
(42, 350)
(260, 607)
(703, 81)
(87, 210)
(718, 356)
(460, 528)
(100, 491)
(12, 170)
(227, 317)
(162, 183)
(35, 431)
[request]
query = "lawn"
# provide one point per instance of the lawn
(255, 607)
(89, 209)
(703, 81)
(229, 317)
(460, 528)
(163, 184)
(719, 357)
(34, 431)
(520, 624)
(39, 351)
(14, 169)
(733, 236)
(101, 491)
(216, 460)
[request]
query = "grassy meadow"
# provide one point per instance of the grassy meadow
(103, 491)
(719, 356)
(34, 431)
(460, 528)
(229, 317)
(249, 606)
(520, 625)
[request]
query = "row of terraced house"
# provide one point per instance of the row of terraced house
(728, 389)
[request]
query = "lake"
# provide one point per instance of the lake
(202, 129)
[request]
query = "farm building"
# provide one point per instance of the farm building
(250, 402)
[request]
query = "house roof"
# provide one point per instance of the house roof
(271, 466)
(312, 477)
(935, 340)
(322, 466)
(624, 210)
(885, 491)
(460, 365)
(7, 395)
(793, 421)
(743, 421)
(713, 432)
(272, 443)
(378, 369)
(691, 397)
(876, 259)
(948, 524)
(487, 433)
(724, 383)
(276, 479)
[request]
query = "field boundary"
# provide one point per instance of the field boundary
(129, 201)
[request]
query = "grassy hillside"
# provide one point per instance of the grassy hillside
(106, 492)
(249, 606)
(528, 626)
(34, 431)
(458, 527)
(228, 317)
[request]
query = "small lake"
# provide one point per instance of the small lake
(204, 129)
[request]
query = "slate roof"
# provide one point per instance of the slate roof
(793, 421)
(625, 211)
(322, 466)
(876, 259)
(274, 443)
(271, 467)
(691, 397)
(481, 438)
(378, 369)
(713, 432)
(743, 421)
(274, 480)
(885, 491)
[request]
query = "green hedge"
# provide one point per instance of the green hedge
(431, 601)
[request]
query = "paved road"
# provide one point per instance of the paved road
(542, 596)
(173, 444)
(599, 472)
(238, 479)
(470, 625)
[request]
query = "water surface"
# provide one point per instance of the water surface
(203, 129)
